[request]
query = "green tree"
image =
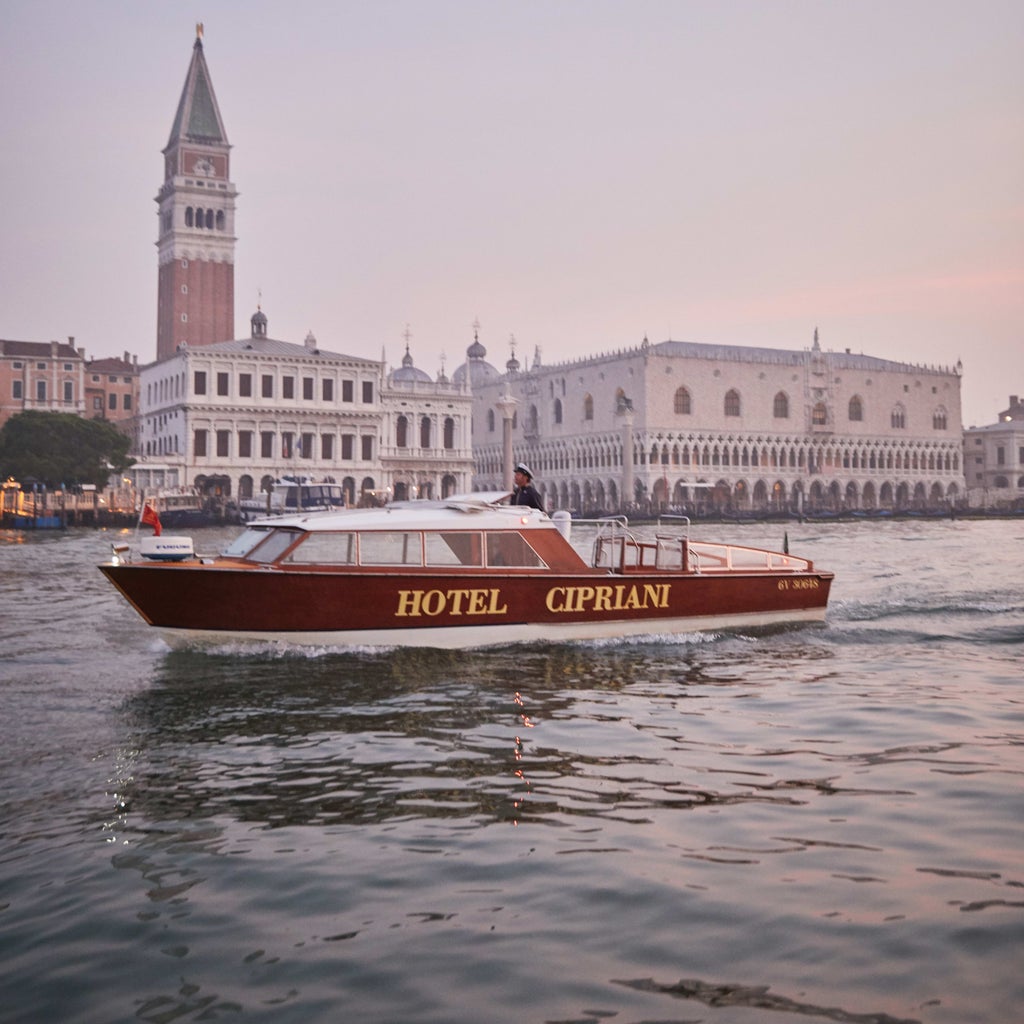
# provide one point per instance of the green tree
(60, 448)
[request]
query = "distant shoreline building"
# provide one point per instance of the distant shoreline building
(47, 376)
(688, 427)
(228, 419)
(55, 376)
(994, 459)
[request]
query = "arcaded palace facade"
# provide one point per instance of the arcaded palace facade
(681, 426)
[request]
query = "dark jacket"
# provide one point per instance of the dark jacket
(527, 496)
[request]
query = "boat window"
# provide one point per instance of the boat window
(380, 547)
(510, 549)
(325, 548)
(453, 548)
(245, 542)
(271, 549)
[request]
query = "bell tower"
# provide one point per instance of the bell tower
(196, 238)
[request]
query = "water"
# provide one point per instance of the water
(824, 823)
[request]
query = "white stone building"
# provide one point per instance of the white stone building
(994, 459)
(695, 427)
(426, 444)
(231, 417)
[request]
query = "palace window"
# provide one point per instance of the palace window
(683, 403)
(780, 407)
(732, 402)
(856, 410)
(588, 407)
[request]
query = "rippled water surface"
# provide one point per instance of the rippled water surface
(818, 823)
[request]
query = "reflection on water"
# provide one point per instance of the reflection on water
(299, 740)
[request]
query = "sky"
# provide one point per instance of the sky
(571, 174)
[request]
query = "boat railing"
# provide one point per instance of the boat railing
(619, 549)
(710, 557)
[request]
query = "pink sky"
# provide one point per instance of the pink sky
(576, 173)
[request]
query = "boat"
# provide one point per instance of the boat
(468, 571)
(183, 509)
(291, 495)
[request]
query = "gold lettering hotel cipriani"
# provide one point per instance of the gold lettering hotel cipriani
(468, 601)
(617, 598)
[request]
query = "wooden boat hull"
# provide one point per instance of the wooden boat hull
(196, 603)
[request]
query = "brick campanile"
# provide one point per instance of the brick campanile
(196, 241)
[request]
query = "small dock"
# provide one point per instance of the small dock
(43, 509)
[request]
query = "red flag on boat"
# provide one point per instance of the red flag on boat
(151, 518)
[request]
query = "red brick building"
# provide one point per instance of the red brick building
(196, 242)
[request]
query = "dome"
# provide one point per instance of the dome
(476, 369)
(407, 373)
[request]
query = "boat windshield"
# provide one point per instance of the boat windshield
(273, 546)
(245, 542)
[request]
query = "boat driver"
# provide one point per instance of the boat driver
(525, 493)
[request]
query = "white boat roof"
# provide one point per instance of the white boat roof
(478, 511)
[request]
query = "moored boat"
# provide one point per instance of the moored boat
(464, 572)
(183, 509)
(291, 495)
